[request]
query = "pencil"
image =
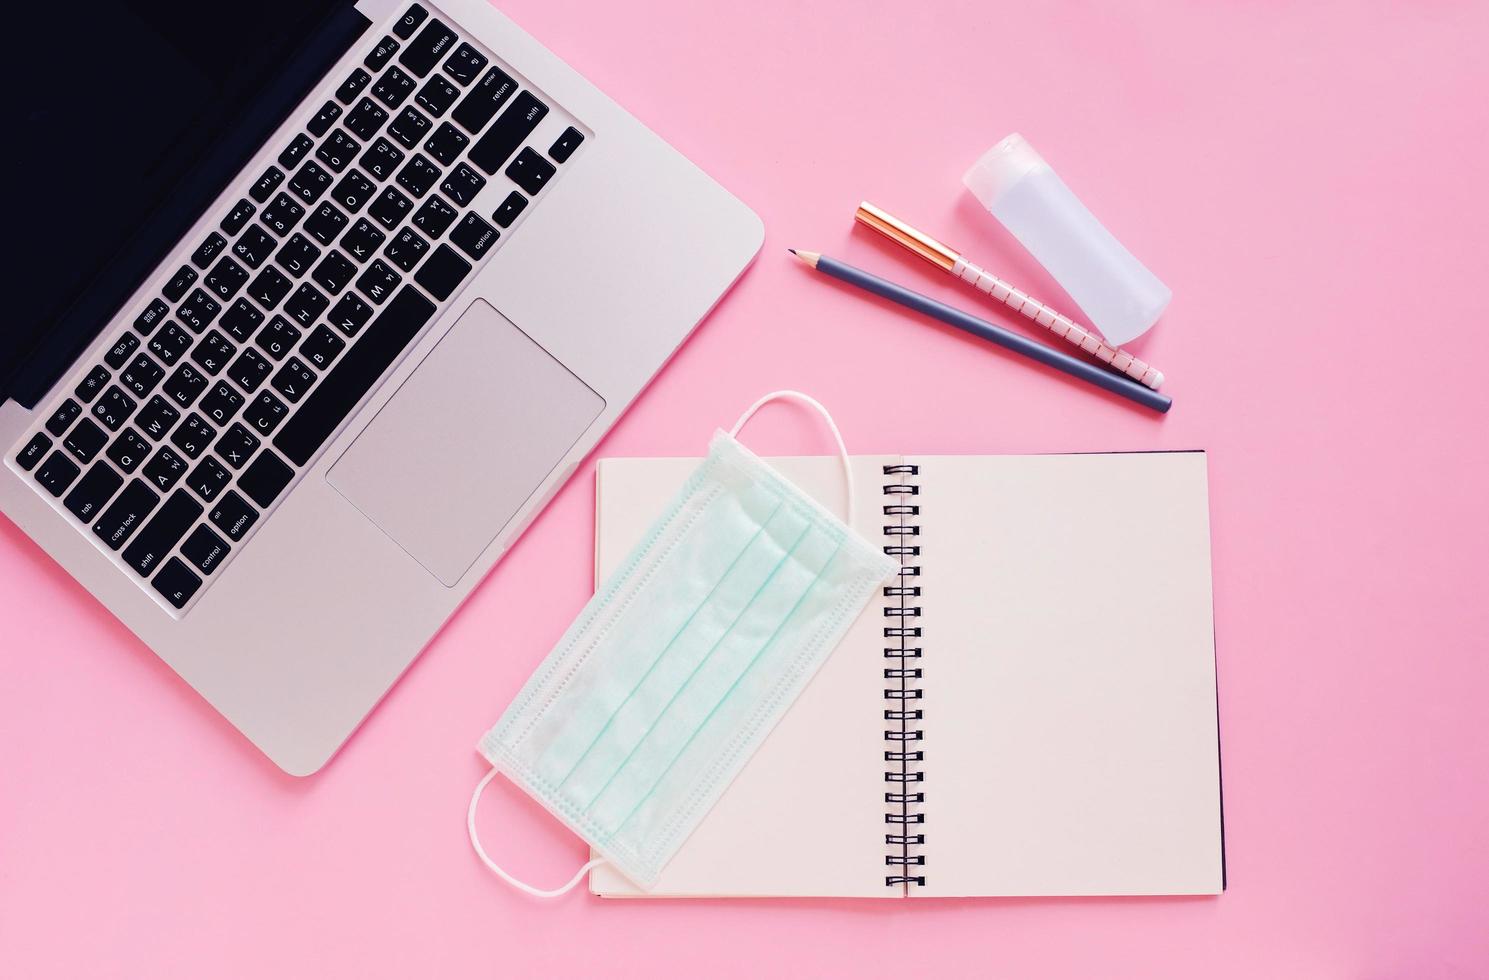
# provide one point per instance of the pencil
(1007, 339)
(949, 260)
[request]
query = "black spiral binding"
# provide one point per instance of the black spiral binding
(902, 775)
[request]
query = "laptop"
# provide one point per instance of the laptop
(318, 305)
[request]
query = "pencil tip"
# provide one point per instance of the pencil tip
(791, 250)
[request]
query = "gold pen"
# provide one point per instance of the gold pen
(952, 261)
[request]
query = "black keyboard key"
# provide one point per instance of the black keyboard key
(254, 246)
(306, 304)
(265, 478)
(161, 532)
(434, 216)
(179, 283)
(278, 338)
(85, 440)
(379, 55)
(381, 159)
(358, 370)
(463, 184)
(225, 279)
(338, 150)
(157, 417)
(355, 82)
(508, 132)
(297, 255)
(269, 287)
(321, 347)
(176, 582)
(184, 385)
(350, 314)
(410, 21)
(63, 417)
(437, 95)
(193, 436)
(334, 272)
(293, 380)
(92, 384)
(151, 317)
(311, 181)
(509, 209)
(530, 171)
(213, 352)
(164, 469)
(281, 215)
(393, 87)
(233, 516)
(474, 236)
(124, 516)
(171, 343)
(204, 549)
(264, 413)
(249, 370)
(198, 310)
(425, 51)
(378, 282)
(409, 128)
(366, 119)
(208, 479)
(93, 491)
(353, 191)
(241, 320)
(141, 375)
(446, 144)
(33, 451)
(323, 121)
(128, 450)
(236, 445)
(114, 408)
(416, 177)
(390, 207)
(208, 250)
(405, 249)
(483, 101)
(291, 156)
(57, 473)
(442, 273)
(238, 216)
(271, 179)
(222, 402)
(464, 64)
(326, 223)
(567, 142)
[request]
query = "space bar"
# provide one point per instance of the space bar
(341, 389)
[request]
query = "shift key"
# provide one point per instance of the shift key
(159, 536)
(508, 132)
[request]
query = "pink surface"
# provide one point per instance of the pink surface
(1309, 182)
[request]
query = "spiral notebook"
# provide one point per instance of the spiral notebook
(1029, 709)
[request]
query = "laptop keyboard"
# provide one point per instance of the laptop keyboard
(319, 274)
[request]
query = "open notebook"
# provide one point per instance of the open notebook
(1028, 710)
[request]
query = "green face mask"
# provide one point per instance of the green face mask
(683, 661)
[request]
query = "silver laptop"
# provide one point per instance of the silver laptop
(320, 305)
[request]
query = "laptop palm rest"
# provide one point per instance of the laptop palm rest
(465, 441)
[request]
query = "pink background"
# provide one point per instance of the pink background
(1309, 182)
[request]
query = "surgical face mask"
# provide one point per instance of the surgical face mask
(682, 663)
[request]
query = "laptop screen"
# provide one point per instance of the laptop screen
(124, 102)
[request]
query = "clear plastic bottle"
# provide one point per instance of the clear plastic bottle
(1120, 297)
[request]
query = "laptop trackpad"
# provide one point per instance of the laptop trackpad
(465, 441)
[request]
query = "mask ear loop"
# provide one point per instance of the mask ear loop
(810, 402)
(470, 825)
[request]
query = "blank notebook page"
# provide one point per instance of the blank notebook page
(1069, 688)
(805, 817)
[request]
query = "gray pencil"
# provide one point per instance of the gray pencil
(1019, 344)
